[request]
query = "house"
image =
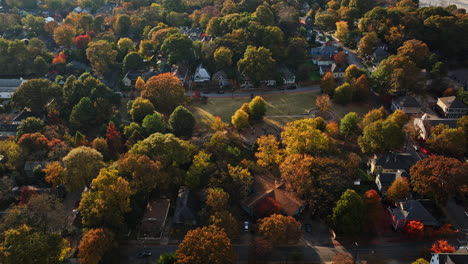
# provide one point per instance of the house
(324, 69)
(129, 79)
(221, 78)
(380, 53)
(411, 210)
(288, 76)
(392, 162)
(424, 124)
(407, 104)
(154, 219)
(338, 71)
(9, 86)
(201, 75)
(30, 166)
(326, 49)
(323, 60)
(384, 180)
(265, 187)
(186, 211)
(458, 257)
(9, 123)
(181, 72)
(451, 107)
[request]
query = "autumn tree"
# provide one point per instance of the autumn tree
(30, 125)
(372, 116)
(242, 180)
(209, 244)
(327, 85)
(374, 209)
(303, 136)
(125, 45)
(343, 94)
(200, 170)
(218, 124)
(398, 190)
(323, 103)
(398, 117)
(143, 173)
(361, 88)
(64, 35)
(53, 173)
(342, 30)
(352, 72)
(94, 244)
(240, 119)
(141, 107)
(450, 142)
(420, 260)
(416, 51)
(396, 75)
(107, 201)
(349, 124)
(101, 56)
(267, 207)
(257, 108)
(81, 165)
(20, 244)
(113, 138)
(381, 136)
(343, 258)
(223, 57)
(264, 15)
(414, 229)
(442, 246)
(182, 122)
(165, 92)
(280, 229)
(440, 177)
(226, 221)
(257, 63)
(35, 94)
(268, 153)
(367, 43)
(348, 215)
(217, 199)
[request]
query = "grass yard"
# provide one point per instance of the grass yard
(280, 105)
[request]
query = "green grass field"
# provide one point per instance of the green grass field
(277, 105)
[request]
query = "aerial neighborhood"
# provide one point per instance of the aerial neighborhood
(233, 131)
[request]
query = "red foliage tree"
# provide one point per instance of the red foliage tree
(82, 41)
(60, 58)
(375, 210)
(113, 138)
(26, 192)
(267, 207)
(414, 229)
(442, 246)
(34, 142)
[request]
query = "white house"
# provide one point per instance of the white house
(201, 75)
(460, 256)
(451, 107)
(9, 86)
(221, 77)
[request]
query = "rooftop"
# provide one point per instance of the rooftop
(406, 101)
(413, 210)
(452, 102)
(395, 160)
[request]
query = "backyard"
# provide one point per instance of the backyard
(281, 108)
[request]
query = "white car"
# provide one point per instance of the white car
(246, 226)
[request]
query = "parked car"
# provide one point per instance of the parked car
(246, 226)
(144, 254)
(220, 92)
(291, 87)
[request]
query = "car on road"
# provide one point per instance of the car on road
(246, 226)
(308, 228)
(220, 92)
(144, 254)
(291, 87)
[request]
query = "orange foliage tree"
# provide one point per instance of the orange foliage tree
(442, 246)
(280, 229)
(94, 244)
(53, 173)
(82, 41)
(60, 58)
(209, 244)
(414, 229)
(113, 139)
(165, 92)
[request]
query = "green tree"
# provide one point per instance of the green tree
(141, 107)
(398, 117)
(264, 15)
(348, 216)
(352, 72)
(242, 180)
(83, 114)
(154, 123)
(30, 125)
(257, 108)
(349, 124)
(101, 56)
(200, 170)
(178, 48)
(182, 122)
(449, 142)
(81, 165)
(35, 94)
(381, 136)
(344, 93)
(223, 57)
(133, 61)
(23, 245)
(257, 63)
(125, 45)
(397, 74)
(122, 24)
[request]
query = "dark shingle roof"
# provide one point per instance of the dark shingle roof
(413, 210)
(453, 258)
(394, 160)
(186, 208)
(406, 101)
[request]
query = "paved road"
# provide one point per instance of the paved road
(255, 92)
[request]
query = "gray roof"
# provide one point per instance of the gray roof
(219, 74)
(452, 258)
(413, 210)
(325, 49)
(380, 52)
(406, 101)
(186, 208)
(386, 179)
(452, 102)
(395, 160)
(336, 68)
(10, 85)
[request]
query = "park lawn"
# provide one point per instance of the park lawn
(279, 106)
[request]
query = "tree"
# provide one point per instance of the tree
(342, 30)
(442, 246)
(398, 117)
(132, 61)
(398, 190)
(140, 84)
(217, 199)
(340, 58)
(82, 41)
(64, 35)
(35, 142)
(107, 201)
(323, 103)
(420, 260)
(113, 138)
(53, 173)
(83, 114)
(122, 24)
(328, 83)
(141, 107)
(165, 92)
(154, 123)
(303, 136)
(145, 174)
(352, 72)
(223, 57)
(279, 229)
(449, 142)
(81, 165)
(209, 244)
(257, 63)
(417, 51)
(101, 56)
(349, 124)
(381, 136)
(344, 93)
(226, 221)
(178, 48)
(372, 116)
(23, 245)
(35, 94)
(240, 119)
(94, 244)
(218, 124)
(361, 88)
(268, 153)
(242, 180)
(414, 229)
(264, 15)
(257, 108)
(440, 177)
(182, 122)
(397, 75)
(348, 215)
(367, 43)
(125, 45)
(374, 209)
(30, 125)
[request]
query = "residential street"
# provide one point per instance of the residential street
(255, 92)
